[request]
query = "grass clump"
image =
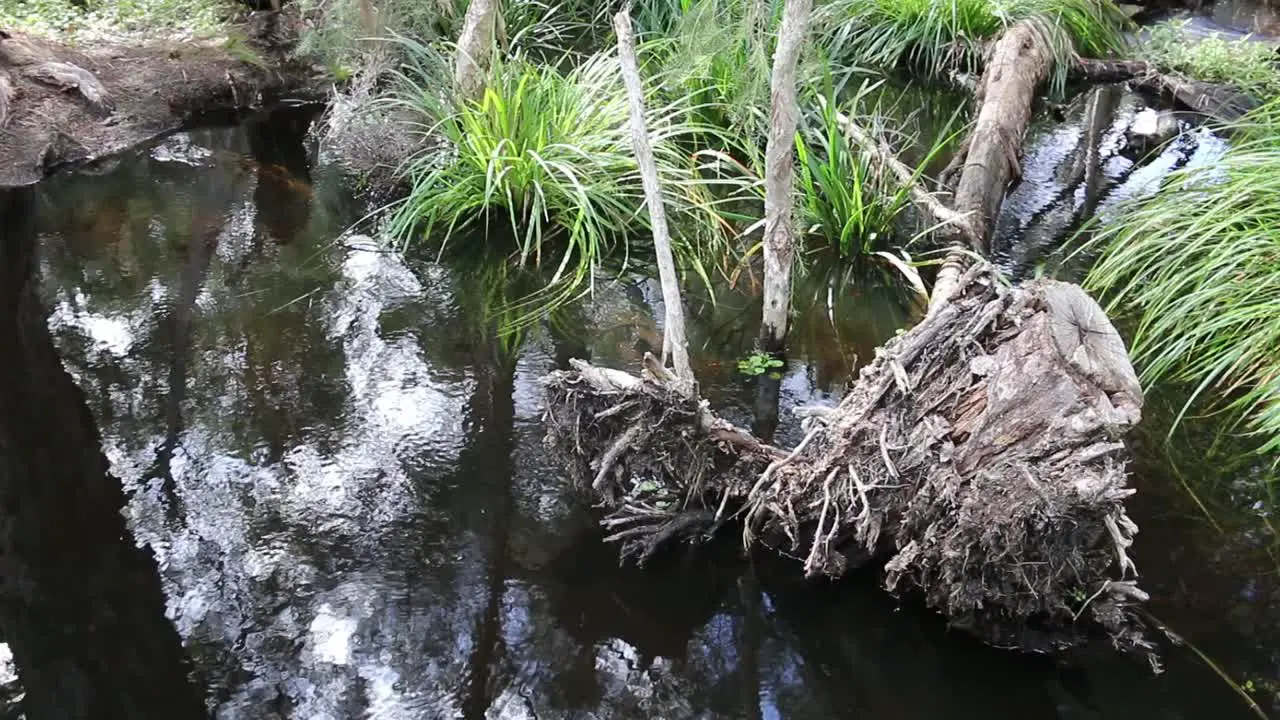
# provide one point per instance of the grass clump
(940, 36)
(1198, 266)
(845, 198)
(99, 20)
(717, 53)
(1248, 65)
(546, 151)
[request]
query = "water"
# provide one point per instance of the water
(338, 466)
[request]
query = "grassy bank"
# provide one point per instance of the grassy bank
(1198, 267)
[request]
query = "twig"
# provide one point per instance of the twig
(611, 455)
(1122, 543)
(822, 519)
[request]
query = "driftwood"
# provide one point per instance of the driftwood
(66, 76)
(979, 456)
(1220, 102)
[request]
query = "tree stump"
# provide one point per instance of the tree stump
(980, 456)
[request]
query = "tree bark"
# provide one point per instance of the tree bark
(1019, 63)
(475, 46)
(779, 241)
(674, 341)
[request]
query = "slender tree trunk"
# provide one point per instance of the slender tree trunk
(475, 46)
(674, 340)
(779, 243)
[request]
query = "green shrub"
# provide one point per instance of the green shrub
(64, 20)
(938, 36)
(549, 152)
(1248, 65)
(717, 53)
(1198, 265)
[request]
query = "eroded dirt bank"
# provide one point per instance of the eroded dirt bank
(61, 106)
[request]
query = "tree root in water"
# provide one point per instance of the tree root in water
(979, 456)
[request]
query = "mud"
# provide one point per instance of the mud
(61, 106)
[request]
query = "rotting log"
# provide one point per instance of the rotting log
(1019, 62)
(1221, 102)
(980, 455)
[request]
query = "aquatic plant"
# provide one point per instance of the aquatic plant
(846, 199)
(1243, 63)
(759, 363)
(940, 36)
(1198, 265)
(550, 152)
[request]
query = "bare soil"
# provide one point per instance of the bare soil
(61, 106)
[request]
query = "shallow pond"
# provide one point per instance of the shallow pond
(337, 462)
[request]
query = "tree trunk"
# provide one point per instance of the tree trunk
(674, 341)
(475, 46)
(779, 243)
(1019, 62)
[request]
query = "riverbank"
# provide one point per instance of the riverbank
(63, 106)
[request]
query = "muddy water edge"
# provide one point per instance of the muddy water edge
(335, 458)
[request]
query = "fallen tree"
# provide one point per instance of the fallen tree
(979, 456)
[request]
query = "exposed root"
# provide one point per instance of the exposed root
(978, 455)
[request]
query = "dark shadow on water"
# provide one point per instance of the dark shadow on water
(82, 608)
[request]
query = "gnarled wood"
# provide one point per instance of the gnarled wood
(977, 455)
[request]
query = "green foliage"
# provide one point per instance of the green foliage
(549, 152)
(845, 198)
(1198, 264)
(759, 363)
(939, 36)
(113, 19)
(718, 53)
(1250, 66)
(341, 33)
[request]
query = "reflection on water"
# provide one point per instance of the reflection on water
(336, 459)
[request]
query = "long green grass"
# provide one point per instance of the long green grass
(1198, 265)
(846, 199)
(1248, 65)
(940, 36)
(717, 53)
(549, 153)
